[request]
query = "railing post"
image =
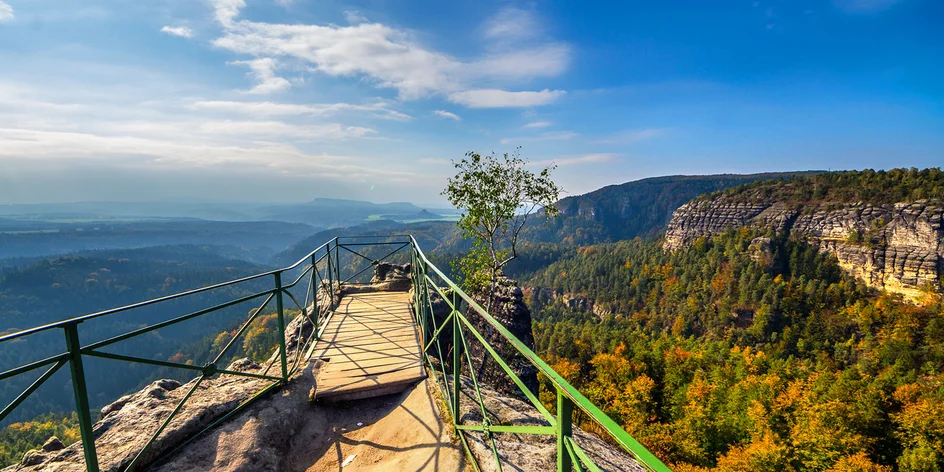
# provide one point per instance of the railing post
(456, 356)
(565, 409)
(337, 262)
(80, 393)
(281, 315)
(314, 295)
(330, 279)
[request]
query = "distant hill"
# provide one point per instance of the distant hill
(612, 213)
(253, 240)
(320, 212)
(637, 208)
(56, 288)
(433, 236)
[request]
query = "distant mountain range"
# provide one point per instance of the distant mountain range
(638, 208)
(320, 212)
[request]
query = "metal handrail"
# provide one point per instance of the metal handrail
(324, 276)
(569, 453)
(74, 353)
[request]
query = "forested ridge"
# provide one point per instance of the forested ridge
(867, 186)
(63, 287)
(638, 208)
(722, 356)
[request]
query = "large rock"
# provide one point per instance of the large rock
(392, 277)
(258, 439)
(899, 248)
(526, 452)
(509, 309)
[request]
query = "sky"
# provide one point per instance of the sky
(289, 100)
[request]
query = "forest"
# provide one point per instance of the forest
(724, 357)
(63, 287)
(868, 186)
(727, 355)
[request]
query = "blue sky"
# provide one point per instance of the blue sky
(286, 100)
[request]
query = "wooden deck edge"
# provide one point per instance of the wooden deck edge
(367, 391)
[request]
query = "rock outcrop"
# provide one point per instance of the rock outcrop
(509, 309)
(528, 451)
(899, 247)
(392, 277)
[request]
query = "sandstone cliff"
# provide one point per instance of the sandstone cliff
(509, 309)
(897, 247)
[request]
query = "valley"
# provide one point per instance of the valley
(729, 322)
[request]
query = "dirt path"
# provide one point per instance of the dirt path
(401, 432)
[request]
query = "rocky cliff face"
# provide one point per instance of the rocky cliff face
(509, 309)
(899, 247)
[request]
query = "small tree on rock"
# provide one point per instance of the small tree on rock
(496, 195)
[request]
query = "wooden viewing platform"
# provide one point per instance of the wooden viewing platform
(371, 346)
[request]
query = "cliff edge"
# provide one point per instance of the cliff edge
(895, 246)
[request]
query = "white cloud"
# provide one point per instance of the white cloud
(446, 114)
(263, 71)
(379, 109)
(548, 60)
(512, 23)
(864, 6)
(27, 147)
(632, 136)
(227, 10)
(354, 17)
(388, 57)
(6, 12)
(181, 31)
(284, 3)
(538, 124)
(549, 136)
(384, 54)
(274, 129)
(494, 98)
(578, 160)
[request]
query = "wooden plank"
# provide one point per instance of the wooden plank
(373, 348)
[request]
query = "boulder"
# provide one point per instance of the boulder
(390, 277)
(53, 444)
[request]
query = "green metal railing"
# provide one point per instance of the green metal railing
(317, 279)
(318, 274)
(427, 280)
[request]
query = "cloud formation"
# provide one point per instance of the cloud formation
(494, 98)
(379, 109)
(181, 31)
(537, 124)
(447, 114)
(6, 12)
(394, 58)
(512, 23)
(263, 72)
(277, 129)
(354, 17)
